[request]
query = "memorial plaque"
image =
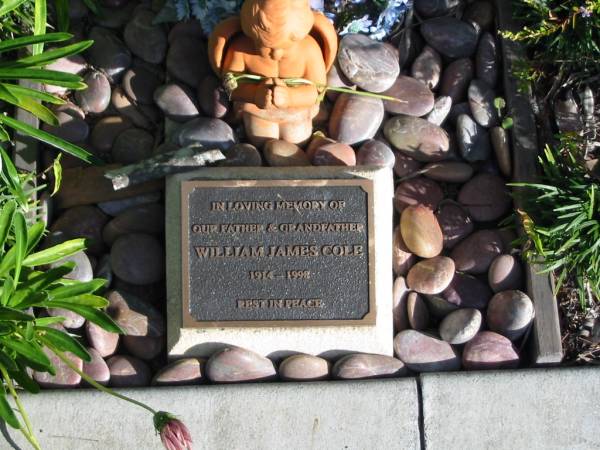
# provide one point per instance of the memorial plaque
(277, 252)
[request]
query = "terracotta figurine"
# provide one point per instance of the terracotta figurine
(276, 39)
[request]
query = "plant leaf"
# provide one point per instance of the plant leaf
(63, 342)
(57, 170)
(50, 320)
(11, 177)
(39, 24)
(100, 318)
(31, 352)
(77, 289)
(55, 253)
(46, 76)
(6, 221)
(22, 377)
(20, 227)
(10, 314)
(31, 105)
(93, 301)
(6, 411)
(9, 5)
(48, 56)
(21, 42)
(37, 281)
(62, 14)
(34, 93)
(6, 95)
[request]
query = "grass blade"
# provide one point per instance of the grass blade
(39, 26)
(22, 42)
(49, 56)
(52, 77)
(9, 5)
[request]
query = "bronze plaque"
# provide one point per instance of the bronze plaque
(277, 253)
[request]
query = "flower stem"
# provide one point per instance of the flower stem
(28, 432)
(97, 385)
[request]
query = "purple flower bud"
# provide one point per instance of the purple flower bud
(173, 432)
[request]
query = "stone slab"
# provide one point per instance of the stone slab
(535, 409)
(279, 341)
(329, 415)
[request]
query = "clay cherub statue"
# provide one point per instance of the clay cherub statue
(278, 40)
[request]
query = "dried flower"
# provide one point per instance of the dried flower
(173, 432)
(585, 12)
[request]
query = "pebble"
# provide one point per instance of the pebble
(187, 60)
(71, 124)
(108, 54)
(284, 154)
(148, 219)
(106, 131)
(448, 171)
(355, 119)
(375, 153)
(83, 267)
(134, 315)
(505, 274)
(211, 133)
(132, 146)
(456, 79)
(362, 366)
(334, 154)
(418, 138)
(402, 258)
(186, 28)
(451, 37)
(473, 139)
(405, 165)
(486, 60)
(489, 350)
(486, 197)
(460, 326)
(510, 314)
(177, 102)
(567, 115)
(212, 98)
(116, 207)
(138, 258)
(427, 67)
(501, 146)
(421, 231)
(336, 78)
(410, 46)
(235, 364)
(431, 276)
(457, 110)
(454, 222)
(72, 320)
(182, 372)
(416, 97)
(140, 82)
(466, 291)
(73, 64)
(304, 368)
(417, 191)
(481, 100)
(128, 371)
(425, 353)
(104, 342)
(418, 315)
(80, 222)
(65, 377)
(96, 97)
(97, 368)
(480, 13)
(144, 347)
(143, 116)
(399, 302)
(103, 269)
(475, 254)
(371, 65)
(242, 155)
(114, 17)
(144, 39)
(435, 8)
(440, 111)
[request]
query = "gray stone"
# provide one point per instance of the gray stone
(431, 276)
(461, 326)
(567, 115)
(481, 14)
(83, 267)
(424, 353)
(364, 366)
(473, 139)
(177, 102)
(486, 197)
(501, 145)
(104, 342)
(456, 79)
(475, 254)
(144, 347)
(80, 222)
(438, 306)
(418, 315)
(212, 97)
(106, 131)
(440, 111)
(143, 116)
(72, 320)
(108, 54)
(416, 98)
(180, 373)
(336, 78)
(241, 155)
(128, 371)
(486, 60)
(355, 119)
(417, 191)
(490, 350)
(456, 111)
(96, 97)
(481, 101)
(146, 40)
(334, 154)
(235, 364)
(466, 291)
(375, 153)
(71, 124)
(448, 171)
(187, 60)
(417, 138)
(427, 67)
(140, 82)
(400, 309)
(114, 17)
(371, 65)
(148, 219)
(116, 207)
(505, 274)
(410, 46)
(405, 165)
(304, 368)
(455, 223)
(97, 368)
(434, 8)
(138, 258)
(451, 37)
(190, 28)
(211, 133)
(510, 313)
(132, 146)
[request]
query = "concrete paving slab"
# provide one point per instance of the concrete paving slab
(380, 414)
(527, 409)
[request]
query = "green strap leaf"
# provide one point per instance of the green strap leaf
(30, 105)
(49, 56)
(31, 352)
(22, 377)
(7, 290)
(20, 227)
(62, 14)
(100, 318)
(6, 411)
(34, 93)
(37, 281)
(39, 26)
(63, 342)
(46, 76)
(93, 301)
(25, 298)
(6, 221)
(10, 176)
(55, 253)
(34, 234)
(57, 170)
(77, 289)
(10, 314)
(21, 42)
(9, 5)
(6, 95)
(92, 6)
(51, 320)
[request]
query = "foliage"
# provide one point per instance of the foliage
(561, 218)
(208, 12)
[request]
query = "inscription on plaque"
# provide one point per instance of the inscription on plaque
(277, 252)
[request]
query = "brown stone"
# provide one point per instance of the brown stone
(456, 79)
(281, 153)
(96, 368)
(476, 253)
(505, 274)
(180, 373)
(489, 350)
(104, 342)
(486, 197)
(235, 364)
(402, 258)
(421, 231)
(455, 223)
(148, 218)
(362, 366)
(127, 371)
(417, 191)
(510, 313)
(448, 171)
(304, 368)
(424, 353)
(418, 315)
(466, 291)
(418, 138)
(431, 276)
(416, 99)
(334, 154)
(138, 258)
(399, 302)
(65, 377)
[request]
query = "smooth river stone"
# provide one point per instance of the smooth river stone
(108, 54)
(505, 274)
(418, 315)
(143, 347)
(96, 368)
(456, 79)
(375, 153)
(486, 197)
(435, 8)
(80, 222)
(489, 350)
(106, 131)
(475, 254)
(132, 146)
(304, 368)
(427, 67)
(466, 291)
(73, 321)
(402, 258)
(65, 377)
(431, 276)
(417, 191)
(139, 219)
(177, 102)
(355, 119)
(336, 78)
(187, 60)
(473, 139)
(451, 37)
(72, 126)
(448, 171)
(235, 364)
(135, 316)
(83, 270)
(210, 133)
(371, 65)
(438, 306)
(143, 116)
(212, 97)
(481, 100)
(410, 46)
(416, 98)
(399, 301)
(284, 154)
(128, 371)
(74, 64)
(500, 144)
(440, 111)
(104, 342)
(241, 155)
(461, 326)
(486, 60)
(455, 223)
(182, 372)
(421, 231)
(418, 138)
(334, 154)
(480, 13)
(138, 258)
(362, 366)
(510, 313)
(424, 353)
(144, 38)
(405, 165)
(140, 82)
